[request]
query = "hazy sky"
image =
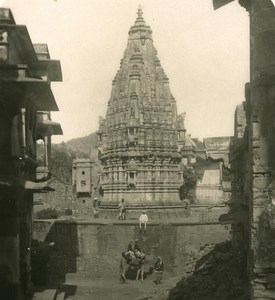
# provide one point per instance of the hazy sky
(205, 54)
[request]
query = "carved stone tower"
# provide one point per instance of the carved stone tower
(142, 134)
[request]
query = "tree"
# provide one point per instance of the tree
(61, 162)
(187, 189)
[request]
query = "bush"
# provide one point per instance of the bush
(187, 190)
(49, 213)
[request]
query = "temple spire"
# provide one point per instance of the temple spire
(139, 12)
(140, 134)
(140, 26)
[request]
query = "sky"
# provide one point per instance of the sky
(205, 54)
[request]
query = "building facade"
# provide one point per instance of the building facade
(25, 79)
(252, 212)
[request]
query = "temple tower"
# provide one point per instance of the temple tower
(140, 137)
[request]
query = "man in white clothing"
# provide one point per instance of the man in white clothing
(143, 219)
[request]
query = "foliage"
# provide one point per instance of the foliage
(62, 158)
(48, 213)
(62, 155)
(86, 144)
(187, 190)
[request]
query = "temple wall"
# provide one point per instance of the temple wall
(142, 197)
(209, 194)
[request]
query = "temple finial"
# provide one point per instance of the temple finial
(140, 12)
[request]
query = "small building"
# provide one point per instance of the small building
(82, 177)
(218, 148)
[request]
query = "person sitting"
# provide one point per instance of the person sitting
(143, 219)
(158, 270)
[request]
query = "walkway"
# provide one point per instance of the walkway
(112, 289)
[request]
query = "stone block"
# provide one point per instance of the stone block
(260, 182)
(271, 286)
(260, 169)
(44, 295)
(264, 294)
(256, 144)
(256, 131)
(60, 296)
(258, 286)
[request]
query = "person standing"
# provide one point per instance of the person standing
(136, 246)
(122, 210)
(158, 270)
(123, 267)
(140, 261)
(95, 208)
(130, 247)
(143, 219)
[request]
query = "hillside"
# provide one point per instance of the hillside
(63, 154)
(84, 144)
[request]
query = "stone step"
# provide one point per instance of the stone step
(60, 296)
(47, 294)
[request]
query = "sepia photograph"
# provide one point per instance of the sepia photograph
(137, 150)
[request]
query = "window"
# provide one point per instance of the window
(83, 172)
(83, 183)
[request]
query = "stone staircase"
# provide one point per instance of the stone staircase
(154, 213)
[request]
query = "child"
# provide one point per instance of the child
(158, 270)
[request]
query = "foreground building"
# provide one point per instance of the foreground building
(252, 213)
(142, 134)
(25, 75)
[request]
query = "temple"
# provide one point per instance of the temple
(142, 135)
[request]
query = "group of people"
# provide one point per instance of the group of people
(132, 258)
(135, 258)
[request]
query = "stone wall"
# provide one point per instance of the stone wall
(60, 199)
(190, 214)
(94, 249)
(260, 113)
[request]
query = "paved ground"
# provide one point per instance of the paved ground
(112, 289)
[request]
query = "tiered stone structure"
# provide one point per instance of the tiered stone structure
(140, 136)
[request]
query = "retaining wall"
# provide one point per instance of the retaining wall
(94, 248)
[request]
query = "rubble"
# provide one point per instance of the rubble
(218, 274)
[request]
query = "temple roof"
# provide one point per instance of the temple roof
(142, 112)
(140, 25)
